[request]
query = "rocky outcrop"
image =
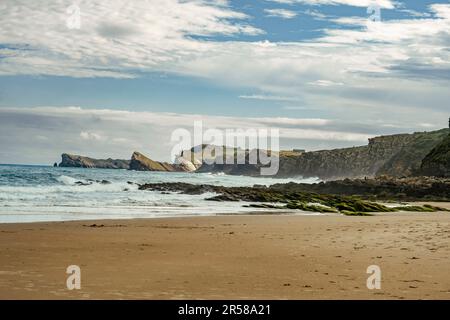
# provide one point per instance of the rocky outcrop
(437, 162)
(185, 164)
(303, 197)
(380, 188)
(140, 162)
(70, 160)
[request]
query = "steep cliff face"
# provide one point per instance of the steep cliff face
(437, 162)
(394, 155)
(140, 162)
(356, 162)
(408, 159)
(226, 161)
(70, 160)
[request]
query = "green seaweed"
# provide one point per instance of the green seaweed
(356, 214)
(309, 207)
(414, 209)
(424, 208)
(435, 208)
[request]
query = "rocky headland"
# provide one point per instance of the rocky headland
(71, 160)
(400, 155)
(394, 155)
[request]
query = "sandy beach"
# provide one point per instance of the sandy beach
(230, 257)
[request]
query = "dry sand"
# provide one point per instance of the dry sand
(230, 257)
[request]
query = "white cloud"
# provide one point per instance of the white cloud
(85, 135)
(268, 97)
(325, 83)
(386, 4)
(295, 108)
(315, 13)
(396, 69)
(354, 21)
(415, 13)
(280, 13)
(115, 38)
(291, 121)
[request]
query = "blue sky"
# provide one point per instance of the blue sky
(278, 59)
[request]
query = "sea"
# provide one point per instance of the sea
(44, 193)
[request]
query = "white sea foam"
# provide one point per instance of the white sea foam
(55, 194)
(67, 180)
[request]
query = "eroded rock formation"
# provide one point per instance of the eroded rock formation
(140, 162)
(71, 160)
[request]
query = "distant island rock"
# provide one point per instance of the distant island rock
(138, 162)
(71, 160)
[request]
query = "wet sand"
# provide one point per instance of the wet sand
(230, 257)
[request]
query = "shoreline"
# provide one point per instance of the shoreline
(266, 212)
(229, 257)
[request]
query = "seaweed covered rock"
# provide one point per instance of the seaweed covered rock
(276, 198)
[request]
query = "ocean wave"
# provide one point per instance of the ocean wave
(218, 174)
(67, 180)
(53, 194)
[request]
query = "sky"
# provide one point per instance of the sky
(106, 78)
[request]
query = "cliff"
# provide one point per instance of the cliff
(395, 155)
(437, 162)
(219, 163)
(408, 160)
(70, 160)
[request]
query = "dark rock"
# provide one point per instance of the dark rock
(140, 162)
(313, 197)
(70, 160)
(81, 183)
(381, 188)
(437, 162)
